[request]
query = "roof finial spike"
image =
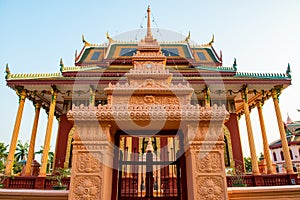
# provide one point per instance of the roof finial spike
(221, 55)
(188, 37)
(75, 54)
(7, 71)
(234, 64)
(212, 40)
(149, 34)
(288, 70)
(61, 64)
(84, 41)
(110, 40)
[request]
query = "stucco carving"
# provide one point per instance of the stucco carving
(210, 187)
(156, 112)
(87, 187)
(88, 162)
(210, 163)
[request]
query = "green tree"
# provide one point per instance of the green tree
(50, 158)
(21, 151)
(3, 156)
(248, 164)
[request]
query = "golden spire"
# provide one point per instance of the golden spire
(149, 34)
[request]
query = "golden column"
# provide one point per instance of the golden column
(10, 158)
(32, 140)
(207, 99)
(275, 95)
(255, 169)
(259, 105)
(48, 132)
(92, 96)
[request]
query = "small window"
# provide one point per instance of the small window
(281, 155)
(95, 56)
(201, 56)
(170, 51)
(291, 154)
(274, 156)
(128, 51)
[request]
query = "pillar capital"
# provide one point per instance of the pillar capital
(22, 93)
(54, 92)
(259, 103)
(275, 92)
(37, 105)
(244, 93)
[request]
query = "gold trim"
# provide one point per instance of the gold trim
(68, 151)
(227, 135)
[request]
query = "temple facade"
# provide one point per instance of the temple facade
(142, 119)
(292, 129)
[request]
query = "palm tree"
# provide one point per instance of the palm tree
(21, 151)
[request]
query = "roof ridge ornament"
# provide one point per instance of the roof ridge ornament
(288, 71)
(234, 64)
(188, 37)
(85, 42)
(110, 40)
(61, 64)
(212, 40)
(7, 71)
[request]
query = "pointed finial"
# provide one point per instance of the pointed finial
(84, 41)
(188, 37)
(61, 64)
(288, 70)
(149, 34)
(75, 54)
(212, 40)
(234, 64)
(109, 38)
(7, 71)
(221, 55)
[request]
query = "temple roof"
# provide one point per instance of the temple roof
(102, 64)
(292, 130)
(176, 53)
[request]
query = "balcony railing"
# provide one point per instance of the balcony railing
(29, 182)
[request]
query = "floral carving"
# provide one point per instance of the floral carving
(209, 163)
(89, 162)
(210, 188)
(87, 187)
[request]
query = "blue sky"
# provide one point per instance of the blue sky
(264, 36)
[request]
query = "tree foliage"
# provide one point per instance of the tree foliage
(21, 151)
(248, 164)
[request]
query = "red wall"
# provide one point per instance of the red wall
(233, 127)
(62, 140)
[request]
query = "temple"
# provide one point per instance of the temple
(161, 103)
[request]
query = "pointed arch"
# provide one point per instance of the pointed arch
(69, 147)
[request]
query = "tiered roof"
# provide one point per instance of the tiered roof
(100, 65)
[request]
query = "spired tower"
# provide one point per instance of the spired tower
(148, 105)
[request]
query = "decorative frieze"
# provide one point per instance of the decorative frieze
(125, 112)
